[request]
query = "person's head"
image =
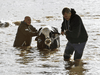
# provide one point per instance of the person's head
(27, 19)
(66, 12)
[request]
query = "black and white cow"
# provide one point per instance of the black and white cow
(4, 24)
(48, 38)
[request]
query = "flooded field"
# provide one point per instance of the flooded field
(16, 61)
(22, 61)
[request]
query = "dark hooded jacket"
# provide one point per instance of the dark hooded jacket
(24, 35)
(74, 29)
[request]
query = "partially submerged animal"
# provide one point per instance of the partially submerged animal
(5, 24)
(48, 38)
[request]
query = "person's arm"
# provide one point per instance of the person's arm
(76, 30)
(33, 30)
(25, 31)
(63, 26)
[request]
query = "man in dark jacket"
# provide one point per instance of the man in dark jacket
(25, 33)
(75, 32)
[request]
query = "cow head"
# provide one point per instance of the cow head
(46, 32)
(48, 37)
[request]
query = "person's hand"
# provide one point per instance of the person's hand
(62, 33)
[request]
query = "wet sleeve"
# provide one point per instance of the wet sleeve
(62, 27)
(33, 30)
(25, 31)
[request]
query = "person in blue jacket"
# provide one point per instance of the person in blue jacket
(25, 33)
(73, 28)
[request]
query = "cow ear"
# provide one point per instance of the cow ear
(39, 31)
(52, 32)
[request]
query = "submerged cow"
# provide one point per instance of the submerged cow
(4, 24)
(48, 38)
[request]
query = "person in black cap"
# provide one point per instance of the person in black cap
(73, 28)
(25, 33)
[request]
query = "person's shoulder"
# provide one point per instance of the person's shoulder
(77, 16)
(22, 23)
(32, 26)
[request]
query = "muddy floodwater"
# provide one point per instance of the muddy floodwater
(38, 62)
(22, 61)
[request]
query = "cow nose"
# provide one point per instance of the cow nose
(47, 41)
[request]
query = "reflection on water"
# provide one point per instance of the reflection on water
(23, 61)
(46, 53)
(47, 62)
(25, 58)
(75, 68)
(40, 60)
(27, 55)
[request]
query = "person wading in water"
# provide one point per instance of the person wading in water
(25, 33)
(73, 28)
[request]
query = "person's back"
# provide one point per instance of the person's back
(20, 34)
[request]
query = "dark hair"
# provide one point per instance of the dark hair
(66, 10)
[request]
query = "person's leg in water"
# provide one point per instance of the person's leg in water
(68, 51)
(79, 48)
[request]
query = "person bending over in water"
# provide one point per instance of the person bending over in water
(73, 28)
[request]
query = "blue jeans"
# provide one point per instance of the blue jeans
(70, 48)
